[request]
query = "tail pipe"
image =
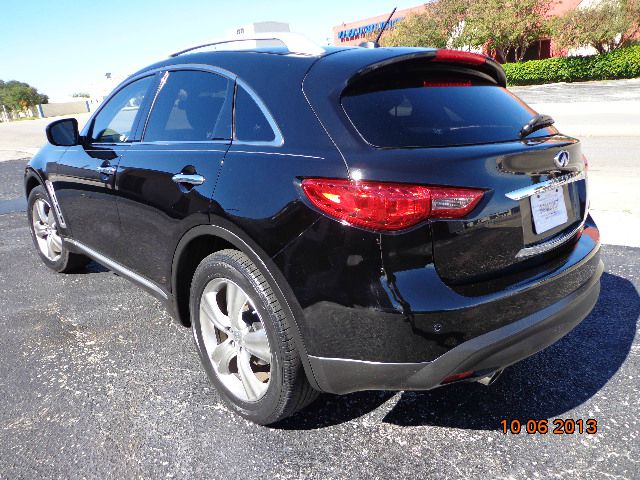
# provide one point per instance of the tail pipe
(489, 379)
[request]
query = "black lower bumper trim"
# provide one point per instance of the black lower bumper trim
(492, 351)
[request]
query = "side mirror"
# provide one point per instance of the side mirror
(63, 133)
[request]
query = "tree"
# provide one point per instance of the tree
(608, 25)
(81, 95)
(415, 30)
(19, 96)
(507, 25)
(438, 26)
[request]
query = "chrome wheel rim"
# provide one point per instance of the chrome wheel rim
(235, 340)
(45, 229)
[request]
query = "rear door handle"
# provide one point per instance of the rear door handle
(190, 179)
(106, 170)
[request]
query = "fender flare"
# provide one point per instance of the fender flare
(226, 230)
(30, 173)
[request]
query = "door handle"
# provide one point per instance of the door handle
(106, 170)
(193, 179)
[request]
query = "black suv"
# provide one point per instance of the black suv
(328, 220)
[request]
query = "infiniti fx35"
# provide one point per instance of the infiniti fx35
(333, 221)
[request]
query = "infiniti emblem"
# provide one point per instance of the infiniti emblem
(561, 159)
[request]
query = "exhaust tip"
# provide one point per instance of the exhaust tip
(489, 379)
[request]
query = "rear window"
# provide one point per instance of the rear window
(435, 110)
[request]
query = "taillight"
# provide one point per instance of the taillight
(459, 56)
(388, 206)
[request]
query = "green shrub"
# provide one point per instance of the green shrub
(620, 63)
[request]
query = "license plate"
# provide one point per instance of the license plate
(548, 209)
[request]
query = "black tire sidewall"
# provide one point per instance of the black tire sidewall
(59, 265)
(218, 266)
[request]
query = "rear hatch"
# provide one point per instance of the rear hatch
(448, 120)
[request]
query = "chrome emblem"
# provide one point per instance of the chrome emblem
(561, 159)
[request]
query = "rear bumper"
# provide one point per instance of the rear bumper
(393, 307)
(483, 354)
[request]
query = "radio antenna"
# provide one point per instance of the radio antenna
(384, 27)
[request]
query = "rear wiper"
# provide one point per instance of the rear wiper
(536, 123)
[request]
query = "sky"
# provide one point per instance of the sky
(63, 46)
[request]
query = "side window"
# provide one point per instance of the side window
(251, 124)
(115, 122)
(191, 106)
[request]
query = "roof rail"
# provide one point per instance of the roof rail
(295, 42)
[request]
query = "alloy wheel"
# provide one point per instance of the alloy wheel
(45, 228)
(235, 339)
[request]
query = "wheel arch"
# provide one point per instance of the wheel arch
(31, 180)
(202, 240)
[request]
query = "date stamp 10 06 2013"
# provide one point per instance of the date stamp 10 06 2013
(559, 426)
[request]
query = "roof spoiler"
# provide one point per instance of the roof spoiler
(482, 63)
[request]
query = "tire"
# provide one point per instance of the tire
(44, 233)
(235, 339)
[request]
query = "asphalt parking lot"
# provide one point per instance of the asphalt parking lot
(98, 382)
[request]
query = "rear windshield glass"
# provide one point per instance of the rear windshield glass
(434, 110)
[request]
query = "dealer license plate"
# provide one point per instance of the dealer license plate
(548, 209)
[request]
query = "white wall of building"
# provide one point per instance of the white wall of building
(258, 27)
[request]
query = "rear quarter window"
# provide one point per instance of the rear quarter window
(251, 123)
(435, 110)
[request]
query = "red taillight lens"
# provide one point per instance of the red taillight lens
(458, 376)
(459, 56)
(388, 206)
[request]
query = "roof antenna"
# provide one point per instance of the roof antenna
(375, 43)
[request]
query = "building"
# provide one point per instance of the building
(258, 27)
(355, 32)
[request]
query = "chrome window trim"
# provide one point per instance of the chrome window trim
(153, 71)
(182, 142)
(161, 83)
(187, 66)
(531, 190)
(112, 144)
(550, 244)
(208, 150)
(277, 141)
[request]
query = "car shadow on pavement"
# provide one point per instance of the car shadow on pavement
(329, 410)
(549, 384)
(91, 267)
